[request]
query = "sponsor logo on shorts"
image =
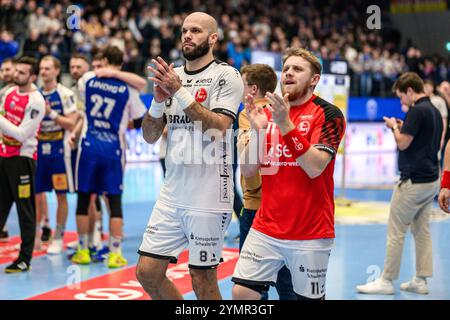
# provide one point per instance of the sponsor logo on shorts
(316, 273)
(248, 255)
(206, 241)
(151, 230)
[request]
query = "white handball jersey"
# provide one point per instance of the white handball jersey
(20, 117)
(199, 173)
(52, 137)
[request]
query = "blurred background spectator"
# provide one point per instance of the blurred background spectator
(333, 30)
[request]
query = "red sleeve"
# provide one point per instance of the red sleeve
(329, 128)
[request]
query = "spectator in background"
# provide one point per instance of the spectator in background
(389, 72)
(330, 31)
(365, 59)
(36, 45)
(39, 21)
(238, 56)
(8, 46)
(439, 103)
(19, 18)
(413, 60)
(377, 74)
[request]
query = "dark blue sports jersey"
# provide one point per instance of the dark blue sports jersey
(109, 104)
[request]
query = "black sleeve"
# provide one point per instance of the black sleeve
(413, 122)
(137, 123)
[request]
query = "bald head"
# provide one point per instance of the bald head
(204, 20)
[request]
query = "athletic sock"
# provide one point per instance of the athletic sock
(115, 245)
(83, 241)
(59, 232)
(97, 235)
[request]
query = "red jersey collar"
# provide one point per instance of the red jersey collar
(306, 102)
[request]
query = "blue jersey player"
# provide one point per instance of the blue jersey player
(110, 103)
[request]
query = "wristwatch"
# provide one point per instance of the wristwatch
(394, 127)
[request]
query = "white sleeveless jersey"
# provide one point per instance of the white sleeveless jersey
(199, 172)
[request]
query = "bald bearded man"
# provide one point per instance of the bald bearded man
(198, 103)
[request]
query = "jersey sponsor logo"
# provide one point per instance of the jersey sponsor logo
(11, 142)
(201, 95)
(279, 150)
(303, 127)
(51, 136)
(298, 144)
(177, 119)
(204, 81)
(46, 149)
(53, 103)
(107, 87)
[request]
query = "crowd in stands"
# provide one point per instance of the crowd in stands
(145, 29)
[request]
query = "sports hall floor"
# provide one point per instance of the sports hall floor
(358, 254)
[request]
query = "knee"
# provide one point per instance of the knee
(147, 276)
(201, 278)
(238, 293)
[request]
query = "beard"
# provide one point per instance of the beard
(197, 51)
(19, 83)
(298, 93)
(8, 79)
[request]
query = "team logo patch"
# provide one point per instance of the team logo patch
(201, 95)
(59, 181)
(24, 191)
(34, 113)
(303, 127)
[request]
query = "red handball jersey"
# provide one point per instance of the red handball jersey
(294, 206)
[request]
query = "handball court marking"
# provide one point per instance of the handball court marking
(122, 284)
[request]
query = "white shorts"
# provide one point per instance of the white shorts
(263, 256)
(171, 230)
